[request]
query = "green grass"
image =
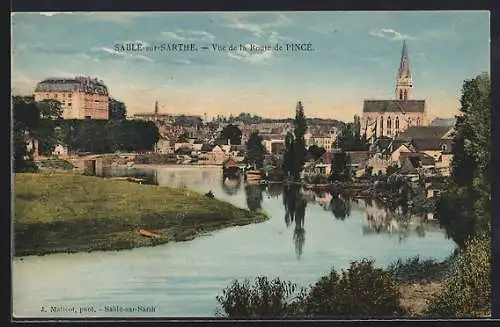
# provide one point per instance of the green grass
(71, 213)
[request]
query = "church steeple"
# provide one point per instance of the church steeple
(156, 108)
(404, 84)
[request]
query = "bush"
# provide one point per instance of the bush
(415, 270)
(263, 299)
(361, 291)
(467, 293)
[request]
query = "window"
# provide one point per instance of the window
(69, 95)
(389, 125)
(418, 121)
(400, 94)
(381, 126)
(444, 147)
(406, 95)
(69, 104)
(397, 123)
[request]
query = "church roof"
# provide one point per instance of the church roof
(394, 106)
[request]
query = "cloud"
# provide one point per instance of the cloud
(390, 34)
(237, 21)
(188, 35)
(125, 55)
(255, 57)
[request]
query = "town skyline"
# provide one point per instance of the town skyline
(356, 57)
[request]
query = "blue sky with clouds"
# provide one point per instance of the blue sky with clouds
(356, 56)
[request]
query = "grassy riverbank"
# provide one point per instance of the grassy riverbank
(75, 213)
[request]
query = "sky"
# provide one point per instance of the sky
(354, 56)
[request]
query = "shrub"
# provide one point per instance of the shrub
(467, 293)
(263, 299)
(415, 269)
(360, 291)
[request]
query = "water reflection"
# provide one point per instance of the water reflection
(231, 186)
(253, 194)
(295, 204)
(380, 218)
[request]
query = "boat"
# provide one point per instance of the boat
(146, 233)
(254, 175)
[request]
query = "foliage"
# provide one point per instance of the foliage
(295, 145)
(394, 168)
(465, 208)
(467, 293)
(350, 138)
(50, 109)
(341, 170)
(289, 153)
(262, 299)
(117, 109)
(26, 116)
(416, 270)
(255, 150)
(360, 291)
(231, 133)
(315, 152)
(299, 152)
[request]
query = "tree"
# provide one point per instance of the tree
(50, 109)
(289, 153)
(465, 208)
(315, 151)
(26, 116)
(26, 112)
(117, 109)
(341, 170)
(232, 133)
(255, 150)
(300, 152)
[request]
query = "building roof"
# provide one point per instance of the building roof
(358, 157)
(425, 132)
(207, 147)
(432, 144)
(394, 106)
(417, 159)
(77, 84)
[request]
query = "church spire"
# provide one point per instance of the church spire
(404, 83)
(404, 66)
(156, 108)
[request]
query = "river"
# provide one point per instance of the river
(307, 235)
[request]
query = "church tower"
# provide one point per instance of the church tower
(156, 108)
(404, 83)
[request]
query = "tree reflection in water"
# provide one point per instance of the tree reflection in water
(340, 206)
(295, 210)
(231, 186)
(253, 193)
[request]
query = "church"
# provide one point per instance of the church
(389, 118)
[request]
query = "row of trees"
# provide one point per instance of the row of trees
(42, 121)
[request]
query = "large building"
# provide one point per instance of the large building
(155, 116)
(81, 97)
(392, 117)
